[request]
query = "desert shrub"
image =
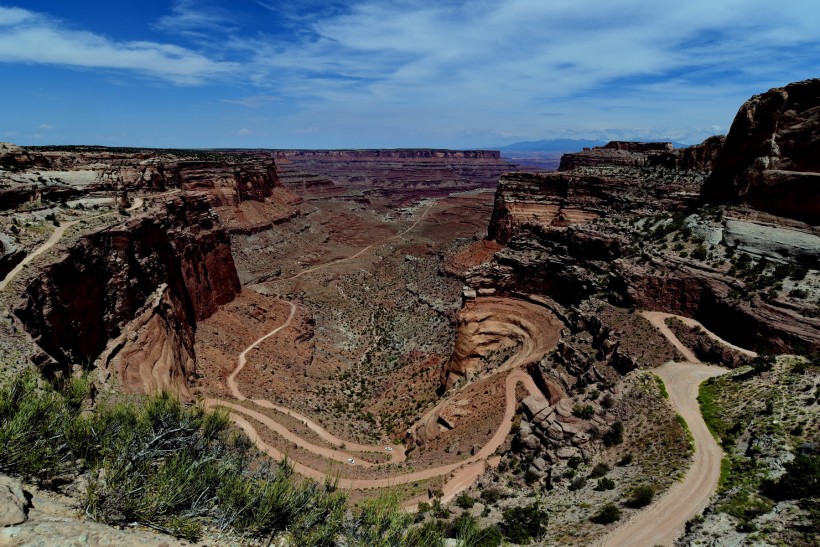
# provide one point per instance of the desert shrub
(524, 524)
(605, 484)
(466, 531)
(626, 460)
(762, 363)
(429, 534)
(641, 496)
(574, 461)
(379, 523)
(615, 435)
(699, 253)
(173, 469)
(465, 501)
(599, 470)
(609, 513)
(799, 293)
(801, 479)
(608, 401)
(585, 412)
(577, 483)
(490, 495)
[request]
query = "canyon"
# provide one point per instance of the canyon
(427, 320)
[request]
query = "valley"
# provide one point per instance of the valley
(436, 326)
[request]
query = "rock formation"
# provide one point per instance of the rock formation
(389, 178)
(164, 271)
(771, 159)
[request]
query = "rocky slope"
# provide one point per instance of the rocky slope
(128, 297)
(771, 159)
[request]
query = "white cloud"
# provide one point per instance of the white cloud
(46, 126)
(244, 132)
(33, 38)
(254, 101)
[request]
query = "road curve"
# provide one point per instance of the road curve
(664, 521)
(49, 243)
(471, 467)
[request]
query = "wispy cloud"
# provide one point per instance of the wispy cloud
(471, 64)
(30, 37)
(244, 132)
(197, 18)
(254, 101)
(46, 126)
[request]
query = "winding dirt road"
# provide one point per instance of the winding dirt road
(664, 521)
(49, 243)
(465, 471)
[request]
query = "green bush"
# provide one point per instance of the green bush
(801, 479)
(585, 412)
(490, 495)
(615, 435)
(468, 533)
(605, 484)
(699, 253)
(177, 469)
(523, 524)
(641, 496)
(465, 501)
(599, 470)
(626, 460)
(608, 514)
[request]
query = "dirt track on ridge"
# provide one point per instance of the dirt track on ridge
(664, 521)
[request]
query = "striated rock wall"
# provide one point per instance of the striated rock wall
(771, 159)
(230, 178)
(646, 154)
(132, 294)
(580, 196)
(710, 298)
(390, 178)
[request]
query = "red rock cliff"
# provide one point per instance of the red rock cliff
(157, 275)
(771, 159)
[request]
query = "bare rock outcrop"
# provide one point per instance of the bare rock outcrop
(10, 255)
(771, 158)
(499, 332)
(166, 270)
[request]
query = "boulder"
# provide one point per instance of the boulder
(13, 502)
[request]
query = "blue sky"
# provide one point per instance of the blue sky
(373, 73)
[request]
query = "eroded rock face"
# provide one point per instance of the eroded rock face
(166, 270)
(499, 332)
(771, 159)
(583, 195)
(390, 178)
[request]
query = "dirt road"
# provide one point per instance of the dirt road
(664, 521)
(354, 256)
(464, 472)
(50, 242)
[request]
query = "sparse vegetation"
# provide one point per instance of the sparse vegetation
(177, 470)
(641, 496)
(608, 514)
(524, 524)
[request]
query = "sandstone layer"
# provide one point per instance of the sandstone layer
(388, 178)
(771, 158)
(166, 270)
